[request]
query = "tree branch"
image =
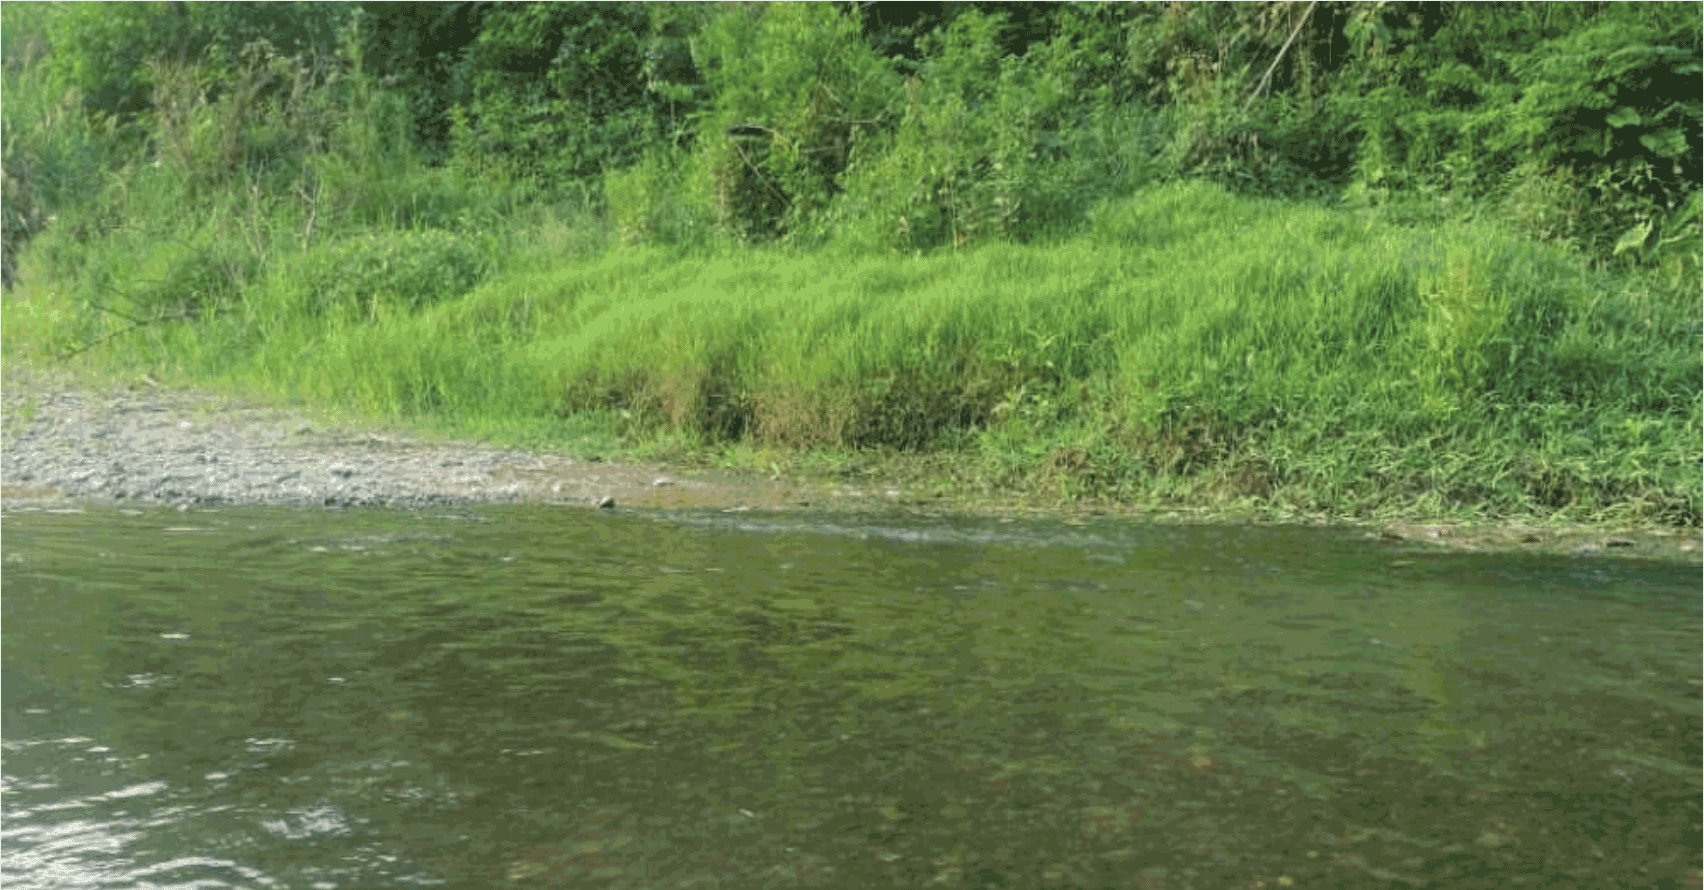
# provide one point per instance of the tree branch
(180, 315)
(1267, 77)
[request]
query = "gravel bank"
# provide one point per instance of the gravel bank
(190, 450)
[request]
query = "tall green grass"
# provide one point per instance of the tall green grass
(1179, 346)
(1190, 348)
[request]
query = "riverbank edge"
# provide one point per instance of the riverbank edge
(322, 452)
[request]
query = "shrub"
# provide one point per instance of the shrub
(955, 169)
(406, 269)
(647, 202)
(794, 88)
(554, 91)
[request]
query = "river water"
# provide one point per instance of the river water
(533, 696)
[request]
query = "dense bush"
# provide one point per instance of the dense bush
(934, 124)
(554, 89)
(406, 269)
(1547, 109)
(955, 169)
(794, 89)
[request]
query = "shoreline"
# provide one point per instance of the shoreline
(193, 449)
(69, 442)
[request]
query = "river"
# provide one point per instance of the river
(537, 696)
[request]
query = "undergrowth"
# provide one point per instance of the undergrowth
(1189, 348)
(1074, 303)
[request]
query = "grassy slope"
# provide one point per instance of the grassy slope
(1191, 348)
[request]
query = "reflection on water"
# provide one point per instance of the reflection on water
(537, 697)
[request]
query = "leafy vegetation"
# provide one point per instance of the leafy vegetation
(1347, 259)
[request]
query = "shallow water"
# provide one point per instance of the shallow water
(532, 696)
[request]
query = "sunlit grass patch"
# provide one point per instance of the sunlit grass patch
(1188, 348)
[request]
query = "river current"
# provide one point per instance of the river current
(538, 696)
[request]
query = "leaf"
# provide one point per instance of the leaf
(1633, 238)
(1667, 143)
(1623, 117)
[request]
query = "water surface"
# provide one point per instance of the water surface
(531, 696)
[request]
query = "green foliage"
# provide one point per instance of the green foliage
(793, 89)
(1614, 87)
(108, 52)
(53, 153)
(203, 275)
(400, 269)
(649, 203)
(1589, 108)
(554, 90)
(955, 169)
(114, 42)
(26, 137)
(983, 126)
(200, 143)
(1008, 258)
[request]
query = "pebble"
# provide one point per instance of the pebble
(124, 447)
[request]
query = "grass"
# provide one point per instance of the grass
(1180, 348)
(1187, 348)
(1175, 348)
